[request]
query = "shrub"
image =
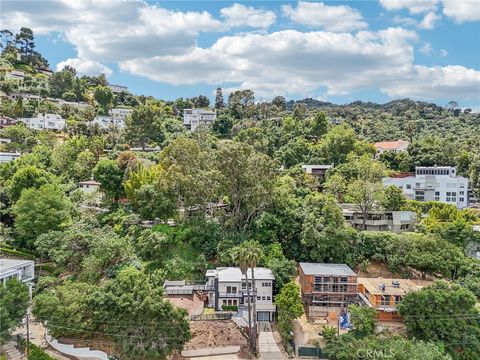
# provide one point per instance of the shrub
(229, 307)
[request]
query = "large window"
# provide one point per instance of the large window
(385, 300)
(231, 289)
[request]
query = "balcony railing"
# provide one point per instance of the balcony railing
(230, 294)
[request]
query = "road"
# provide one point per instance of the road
(267, 345)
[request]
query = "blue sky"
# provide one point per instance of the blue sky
(338, 51)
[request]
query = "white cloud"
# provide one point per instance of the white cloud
(108, 31)
(443, 52)
(436, 83)
(85, 67)
(331, 18)
(429, 21)
(462, 10)
(241, 15)
(413, 6)
(426, 48)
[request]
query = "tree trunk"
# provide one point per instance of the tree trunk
(250, 334)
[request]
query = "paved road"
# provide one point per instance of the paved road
(268, 346)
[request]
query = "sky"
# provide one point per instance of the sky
(337, 51)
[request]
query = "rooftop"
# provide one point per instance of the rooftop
(390, 145)
(326, 269)
(374, 285)
(89, 182)
(8, 264)
(234, 274)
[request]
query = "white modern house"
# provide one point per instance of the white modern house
(229, 287)
(379, 219)
(108, 122)
(394, 146)
(120, 113)
(22, 270)
(317, 170)
(45, 121)
(8, 156)
(433, 183)
(192, 118)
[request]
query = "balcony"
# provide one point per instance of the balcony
(230, 295)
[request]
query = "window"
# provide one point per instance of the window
(404, 226)
(385, 300)
(408, 186)
(397, 299)
(234, 302)
(229, 302)
(462, 192)
(244, 285)
(437, 193)
(437, 198)
(344, 279)
(263, 297)
(258, 297)
(224, 302)
(269, 298)
(462, 199)
(454, 193)
(231, 289)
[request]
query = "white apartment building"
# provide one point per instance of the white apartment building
(8, 156)
(120, 113)
(22, 270)
(435, 183)
(108, 122)
(192, 118)
(45, 121)
(228, 286)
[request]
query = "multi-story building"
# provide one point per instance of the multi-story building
(435, 183)
(385, 294)
(227, 287)
(230, 288)
(45, 121)
(327, 286)
(192, 118)
(22, 270)
(8, 156)
(108, 122)
(120, 113)
(393, 146)
(379, 219)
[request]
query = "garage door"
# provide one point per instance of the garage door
(263, 316)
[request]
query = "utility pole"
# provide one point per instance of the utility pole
(28, 333)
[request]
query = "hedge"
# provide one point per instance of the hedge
(17, 253)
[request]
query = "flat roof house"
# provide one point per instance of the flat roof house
(379, 219)
(327, 287)
(385, 294)
(22, 270)
(192, 118)
(394, 146)
(230, 288)
(8, 156)
(433, 183)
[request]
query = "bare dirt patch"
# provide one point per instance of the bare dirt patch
(210, 334)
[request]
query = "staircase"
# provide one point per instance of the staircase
(240, 321)
(11, 351)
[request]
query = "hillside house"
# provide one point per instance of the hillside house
(433, 183)
(8, 156)
(385, 294)
(327, 287)
(192, 118)
(379, 219)
(22, 270)
(393, 146)
(45, 121)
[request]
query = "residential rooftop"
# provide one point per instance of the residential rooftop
(234, 274)
(382, 286)
(390, 145)
(326, 269)
(8, 264)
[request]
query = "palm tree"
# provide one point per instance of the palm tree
(251, 251)
(238, 258)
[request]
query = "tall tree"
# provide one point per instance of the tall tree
(104, 97)
(110, 176)
(365, 194)
(219, 103)
(26, 41)
(444, 313)
(14, 300)
(290, 307)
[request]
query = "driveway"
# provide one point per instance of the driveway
(267, 345)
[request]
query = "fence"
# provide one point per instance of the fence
(211, 317)
(309, 351)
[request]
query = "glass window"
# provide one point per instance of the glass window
(462, 199)
(409, 186)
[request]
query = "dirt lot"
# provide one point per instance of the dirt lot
(375, 269)
(207, 334)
